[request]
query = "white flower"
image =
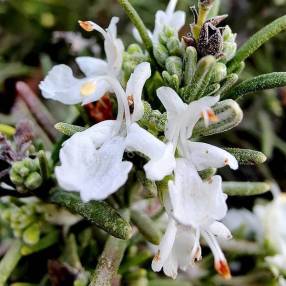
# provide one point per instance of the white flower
(180, 248)
(60, 83)
(274, 233)
(195, 205)
(91, 161)
(182, 118)
(170, 18)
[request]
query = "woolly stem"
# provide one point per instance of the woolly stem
(138, 23)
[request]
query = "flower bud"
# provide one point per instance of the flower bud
(174, 46)
(33, 181)
(191, 58)
(171, 80)
(167, 33)
(15, 178)
(174, 66)
(219, 72)
(161, 54)
(134, 49)
(32, 234)
(229, 44)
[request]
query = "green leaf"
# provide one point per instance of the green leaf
(98, 212)
(200, 80)
(267, 133)
(44, 165)
(10, 261)
(229, 115)
(68, 129)
(261, 82)
(47, 241)
(246, 156)
(227, 84)
(245, 188)
(146, 226)
(256, 41)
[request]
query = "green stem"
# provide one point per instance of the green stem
(256, 41)
(10, 261)
(146, 226)
(138, 23)
(261, 82)
(109, 261)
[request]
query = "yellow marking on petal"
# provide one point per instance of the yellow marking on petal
(212, 117)
(87, 88)
(86, 25)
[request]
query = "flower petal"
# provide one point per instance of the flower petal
(197, 109)
(91, 162)
(176, 112)
(91, 66)
(113, 47)
(162, 161)
(205, 156)
(177, 20)
(61, 85)
(220, 230)
(196, 203)
(165, 246)
(135, 86)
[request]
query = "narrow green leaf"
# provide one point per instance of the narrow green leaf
(98, 212)
(136, 260)
(47, 241)
(190, 60)
(200, 80)
(245, 188)
(227, 84)
(68, 129)
(10, 261)
(261, 82)
(267, 134)
(212, 89)
(256, 41)
(146, 226)
(167, 282)
(246, 156)
(229, 115)
(44, 165)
